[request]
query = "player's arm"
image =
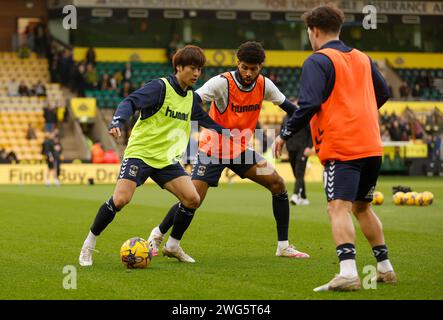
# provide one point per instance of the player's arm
(381, 88)
(147, 99)
(317, 82)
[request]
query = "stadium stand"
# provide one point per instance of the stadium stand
(17, 110)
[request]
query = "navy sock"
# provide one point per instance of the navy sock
(168, 220)
(346, 251)
(105, 215)
(280, 207)
(182, 220)
(380, 253)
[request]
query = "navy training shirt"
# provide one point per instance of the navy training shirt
(149, 100)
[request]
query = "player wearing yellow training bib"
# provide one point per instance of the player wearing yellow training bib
(158, 139)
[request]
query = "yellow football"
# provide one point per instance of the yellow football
(419, 200)
(428, 197)
(409, 198)
(378, 198)
(135, 253)
(397, 198)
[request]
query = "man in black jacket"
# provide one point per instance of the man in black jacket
(299, 147)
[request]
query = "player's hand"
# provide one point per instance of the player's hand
(277, 147)
(115, 127)
(307, 152)
(115, 132)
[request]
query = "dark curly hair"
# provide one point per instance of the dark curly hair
(251, 52)
(328, 18)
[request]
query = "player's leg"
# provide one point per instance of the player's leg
(133, 172)
(300, 167)
(341, 181)
(292, 161)
(49, 171)
(184, 190)
(205, 173)
(370, 224)
(262, 173)
(177, 219)
(56, 172)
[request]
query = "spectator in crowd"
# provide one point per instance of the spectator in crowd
(126, 90)
(12, 157)
(39, 89)
(91, 56)
(29, 37)
(8, 157)
(406, 131)
(40, 38)
(417, 129)
(23, 52)
(115, 80)
(3, 155)
(50, 116)
(299, 148)
(91, 77)
(48, 151)
(385, 136)
(417, 91)
(274, 78)
(404, 90)
(172, 48)
(66, 66)
(127, 72)
(97, 152)
(395, 131)
(30, 132)
(105, 83)
(58, 157)
(79, 82)
(13, 88)
(23, 89)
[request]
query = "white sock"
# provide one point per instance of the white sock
(172, 243)
(157, 231)
(283, 244)
(348, 268)
(90, 241)
(384, 266)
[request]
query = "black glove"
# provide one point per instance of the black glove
(403, 189)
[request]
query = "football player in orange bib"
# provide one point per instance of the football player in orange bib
(341, 92)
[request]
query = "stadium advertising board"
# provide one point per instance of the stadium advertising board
(348, 6)
(107, 173)
(69, 174)
(84, 108)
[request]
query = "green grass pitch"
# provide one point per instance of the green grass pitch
(232, 237)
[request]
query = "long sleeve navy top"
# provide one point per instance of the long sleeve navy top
(149, 100)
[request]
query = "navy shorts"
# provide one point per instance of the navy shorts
(353, 180)
(209, 169)
(138, 171)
